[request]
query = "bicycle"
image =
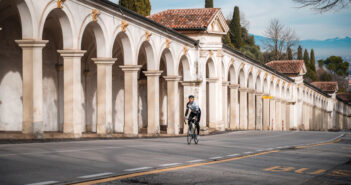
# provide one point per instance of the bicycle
(191, 133)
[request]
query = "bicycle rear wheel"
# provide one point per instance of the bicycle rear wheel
(195, 137)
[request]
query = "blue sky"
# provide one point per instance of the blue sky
(307, 23)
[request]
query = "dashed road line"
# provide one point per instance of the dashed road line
(217, 157)
(196, 160)
(248, 152)
(44, 183)
(137, 169)
(95, 175)
(233, 155)
(170, 164)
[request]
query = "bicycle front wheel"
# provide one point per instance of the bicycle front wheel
(195, 137)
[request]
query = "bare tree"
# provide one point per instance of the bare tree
(279, 39)
(323, 5)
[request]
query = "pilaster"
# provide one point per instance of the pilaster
(233, 104)
(243, 109)
(172, 105)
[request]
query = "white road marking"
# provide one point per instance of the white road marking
(269, 148)
(248, 152)
(43, 183)
(94, 175)
(259, 150)
(170, 164)
(218, 157)
(196, 160)
(232, 155)
(137, 169)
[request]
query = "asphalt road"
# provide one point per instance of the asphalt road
(232, 158)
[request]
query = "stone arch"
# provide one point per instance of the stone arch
(231, 74)
(250, 81)
(27, 21)
(259, 84)
(124, 40)
(241, 78)
(210, 68)
(146, 52)
(121, 49)
(55, 27)
(99, 30)
(210, 92)
(277, 90)
(184, 68)
(64, 18)
(11, 64)
(167, 59)
(265, 87)
(92, 39)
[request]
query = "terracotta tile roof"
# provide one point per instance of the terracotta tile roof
(328, 87)
(292, 67)
(346, 97)
(185, 19)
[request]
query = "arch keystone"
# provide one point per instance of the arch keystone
(95, 13)
(60, 3)
(124, 25)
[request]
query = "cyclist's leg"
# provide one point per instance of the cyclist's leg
(197, 127)
(190, 119)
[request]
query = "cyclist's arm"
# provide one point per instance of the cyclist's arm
(187, 109)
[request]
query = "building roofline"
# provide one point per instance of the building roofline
(258, 63)
(316, 89)
(124, 10)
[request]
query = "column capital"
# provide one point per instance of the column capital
(225, 83)
(259, 93)
(152, 73)
(241, 89)
(212, 80)
(71, 53)
(131, 68)
(172, 78)
(105, 61)
(191, 83)
(233, 86)
(278, 99)
(31, 43)
(251, 91)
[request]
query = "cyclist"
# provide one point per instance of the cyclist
(195, 112)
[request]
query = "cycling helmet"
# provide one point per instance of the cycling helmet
(191, 96)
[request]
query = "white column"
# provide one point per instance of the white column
(272, 114)
(283, 115)
(32, 61)
(278, 121)
(233, 104)
(225, 104)
(153, 102)
(72, 91)
(172, 105)
(266, 112)
(259, 113)
(212, 103)
(104, 95)
(251, 110)
(130, 99)
(243, 108)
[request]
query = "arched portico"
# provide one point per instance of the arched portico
(243, 90)
(266, 105)
(251, 100)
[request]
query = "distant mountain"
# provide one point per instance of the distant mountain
(323, 48)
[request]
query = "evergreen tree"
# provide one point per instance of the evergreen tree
(208, 3)
(235, 28)
(306, 58)
(226, 40)
(299, 53)
(142, 7)
(289, 53)
(313, 61)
